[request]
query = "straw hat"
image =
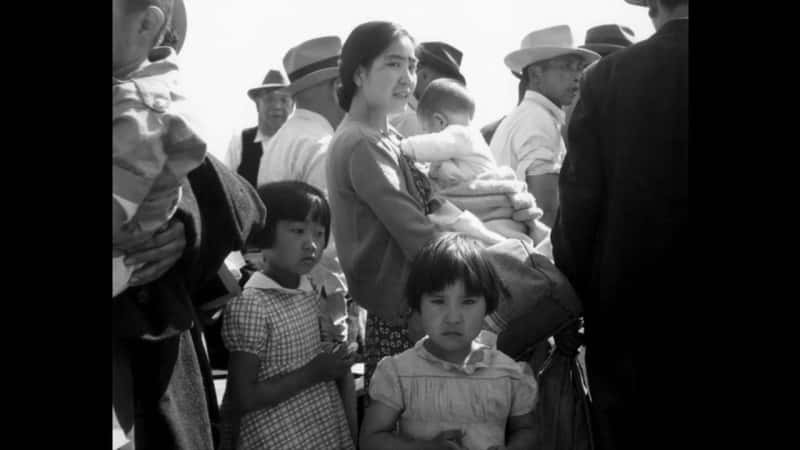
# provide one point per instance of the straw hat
(312, 62)
(273, 80)
(548, 43)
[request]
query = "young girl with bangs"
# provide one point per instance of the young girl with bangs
(282, 380)
(449, 391)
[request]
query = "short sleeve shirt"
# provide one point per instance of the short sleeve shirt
(529, 139)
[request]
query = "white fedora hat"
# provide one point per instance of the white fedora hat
(541, 45)
(312, 62)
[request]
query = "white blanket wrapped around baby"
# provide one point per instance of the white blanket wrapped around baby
(493, 197)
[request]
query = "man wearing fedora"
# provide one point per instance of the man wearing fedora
(435, 60)
(274, 106)
(529, 139)
(620, 232)
(603, 40)
(298, 150)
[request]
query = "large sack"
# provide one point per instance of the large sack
(540, 300)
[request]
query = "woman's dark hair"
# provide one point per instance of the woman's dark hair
(362, 46)
(290, 201)
(450, 258)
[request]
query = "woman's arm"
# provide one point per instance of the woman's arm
(377, 432)
(377, 180)
(250, 394)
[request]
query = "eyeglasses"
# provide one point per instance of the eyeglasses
(567, 66)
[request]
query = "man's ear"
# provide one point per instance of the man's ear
(153, 21)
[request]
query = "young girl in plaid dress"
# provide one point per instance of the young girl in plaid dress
(282, 391)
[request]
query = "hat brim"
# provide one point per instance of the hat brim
(179, 24)
(522, 58)
(312, 79)
(637, 2)
(603, 49)
(264, 87)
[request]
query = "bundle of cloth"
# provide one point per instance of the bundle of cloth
(493, 198)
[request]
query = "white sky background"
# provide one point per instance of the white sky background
(231, 44)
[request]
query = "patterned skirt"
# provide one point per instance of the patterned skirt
(383, 339)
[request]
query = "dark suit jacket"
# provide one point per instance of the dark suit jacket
(620, 235)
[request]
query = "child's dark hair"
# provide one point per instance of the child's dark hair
(450, 258)
(290, 201)
(446, 95)
(365, 43)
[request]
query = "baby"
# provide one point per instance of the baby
(463, 171)
(154, 147)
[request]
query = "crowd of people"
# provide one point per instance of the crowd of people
(361, 221)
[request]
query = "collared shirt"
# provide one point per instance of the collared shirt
(529, 139)
(433, 395)
(298, 150)
(234, 155)
(406, 123)
(260, 281)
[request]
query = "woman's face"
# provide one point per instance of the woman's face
(390, 80)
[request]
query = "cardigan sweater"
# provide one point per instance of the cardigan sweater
(379, 220)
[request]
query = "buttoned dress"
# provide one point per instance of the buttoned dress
(433, 395)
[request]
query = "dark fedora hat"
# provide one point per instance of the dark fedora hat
(637, 2)
(442, 57)
(607, 39)
(273, 80)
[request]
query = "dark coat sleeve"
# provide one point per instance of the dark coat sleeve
(582, 186)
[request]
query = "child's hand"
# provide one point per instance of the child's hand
(330, 366)
(446, 440)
